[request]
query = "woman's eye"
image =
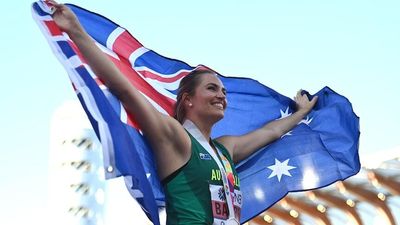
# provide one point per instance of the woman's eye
(212, 88)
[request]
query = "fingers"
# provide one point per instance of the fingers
(314, 100)
(54, 5)
(298, 94)
(52, 2)
(303, 103)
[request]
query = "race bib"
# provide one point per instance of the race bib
(220, 207)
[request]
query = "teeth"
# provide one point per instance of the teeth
(219, 105)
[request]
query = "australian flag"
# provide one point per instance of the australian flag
(322, 149)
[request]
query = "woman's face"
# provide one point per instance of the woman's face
(209, 100)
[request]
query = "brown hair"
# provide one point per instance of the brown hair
(187, 85)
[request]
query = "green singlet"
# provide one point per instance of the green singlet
(187, 190)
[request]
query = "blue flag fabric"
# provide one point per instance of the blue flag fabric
(322, 149)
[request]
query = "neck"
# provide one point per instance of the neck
(204, 128)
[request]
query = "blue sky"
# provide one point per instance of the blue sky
(351, 46)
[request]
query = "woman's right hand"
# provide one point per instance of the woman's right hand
(65, 18)
(169, 140)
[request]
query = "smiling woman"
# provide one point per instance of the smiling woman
(205, 98)
(187, 86)
(356, 54)
(185, 154)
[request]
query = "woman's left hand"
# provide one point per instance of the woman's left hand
(303, 104)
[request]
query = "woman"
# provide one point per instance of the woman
(200, 182)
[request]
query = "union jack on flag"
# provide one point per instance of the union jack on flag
(320, 145)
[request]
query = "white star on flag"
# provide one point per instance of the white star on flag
(306, 121)
(280, 168)
(285, 113)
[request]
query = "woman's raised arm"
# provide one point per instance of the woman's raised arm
(166, 136)
(242, 146)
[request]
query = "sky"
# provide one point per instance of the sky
(351, 46)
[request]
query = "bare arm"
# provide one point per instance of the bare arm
(166, 136)
(241, 147)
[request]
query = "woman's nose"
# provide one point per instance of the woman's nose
(221, 94)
